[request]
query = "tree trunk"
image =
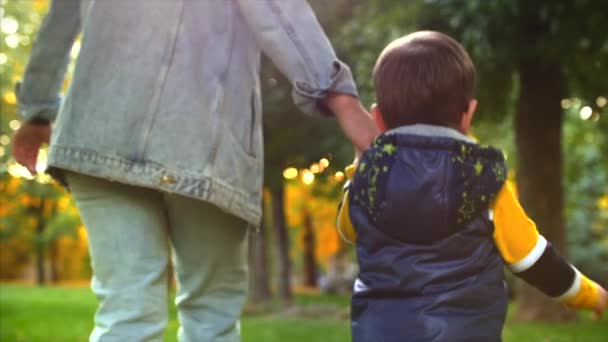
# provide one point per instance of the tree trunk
(310, 264)
(54, 262)
(538, 126)
(282, 244)
(258, 265)
(39, 244)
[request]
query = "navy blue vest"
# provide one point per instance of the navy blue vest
(429, 268)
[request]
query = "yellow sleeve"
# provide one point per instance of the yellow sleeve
(521, 246)
(586, 296)
(515, 234)
(345, 226)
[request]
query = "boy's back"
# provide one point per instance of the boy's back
(432, 215)
(429, 269)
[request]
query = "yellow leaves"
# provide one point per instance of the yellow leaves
(12, 185)
(82, 234)
(27, 200)
(9, 97)
(300, 202)
(602, 203)
(40, 5)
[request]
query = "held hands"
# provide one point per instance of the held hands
(355, 121)
(27, 142)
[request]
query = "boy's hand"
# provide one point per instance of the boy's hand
(601, 305)
(354, 120)
(27, 142)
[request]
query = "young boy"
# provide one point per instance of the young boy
(432, 215)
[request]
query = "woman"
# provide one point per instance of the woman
(160, 141)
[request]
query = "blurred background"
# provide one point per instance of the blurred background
(543, 93)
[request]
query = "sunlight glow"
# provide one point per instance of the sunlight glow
(601, 101)
(12, 41)
(586, 112)
(41, 164)
(19, 171)
(315, 168)
(324, 162)
(9, 25)
(75, 49)
(3, 58)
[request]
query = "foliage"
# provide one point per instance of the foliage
(500, 34)
(587, 194)
(318, 201)
(39, 216)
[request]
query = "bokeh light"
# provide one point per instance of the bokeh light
(12, 41)
(290, 173)
(586, 112)
(9, 25)
(14, 124)
(339, 176)
(5, 140)
(308, 177)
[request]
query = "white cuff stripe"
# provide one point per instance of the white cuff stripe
(359, 286)
(574, 288)
(532, 257)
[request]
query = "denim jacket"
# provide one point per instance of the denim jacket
(165, 94)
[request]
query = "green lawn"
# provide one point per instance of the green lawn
(65, 314)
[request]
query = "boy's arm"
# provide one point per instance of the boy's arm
(290, 35)
(344, 224)
(43, 79)
(532, 258)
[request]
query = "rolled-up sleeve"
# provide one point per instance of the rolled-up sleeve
(39, 93)
(291, 36)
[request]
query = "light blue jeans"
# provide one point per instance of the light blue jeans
(130, 231)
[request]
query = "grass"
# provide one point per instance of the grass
(65, 314)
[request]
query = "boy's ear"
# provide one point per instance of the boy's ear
(467, 117)
(378, 118)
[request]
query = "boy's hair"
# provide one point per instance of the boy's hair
(424, 78)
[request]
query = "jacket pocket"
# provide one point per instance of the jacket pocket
(236, 166)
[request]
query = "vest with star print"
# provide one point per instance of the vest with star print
(429, 269)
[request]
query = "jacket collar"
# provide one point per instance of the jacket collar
(431, 131)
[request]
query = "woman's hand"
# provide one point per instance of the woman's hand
(27, 142)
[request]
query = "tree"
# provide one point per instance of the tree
(39, 213)
(258, 264)
(547, 48)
